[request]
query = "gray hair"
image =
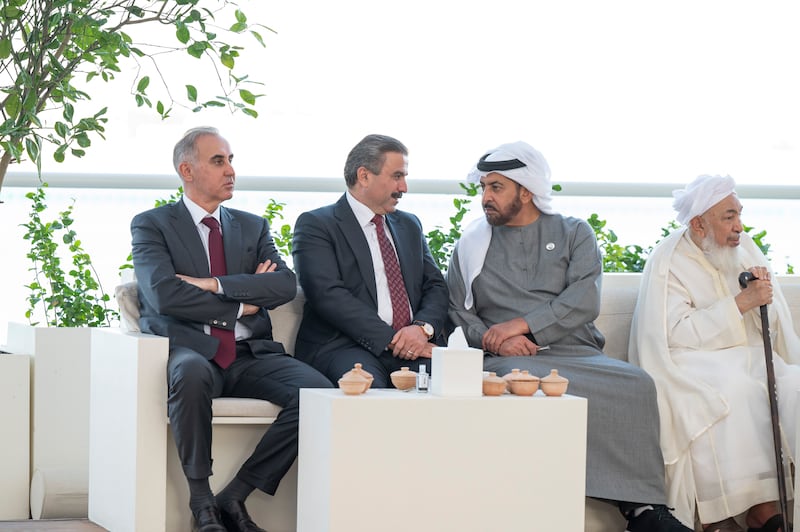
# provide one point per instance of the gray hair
(370, 153)
(186, 148)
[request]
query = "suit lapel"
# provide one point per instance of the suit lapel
(354, 237)
(190, 238)
(232, 240)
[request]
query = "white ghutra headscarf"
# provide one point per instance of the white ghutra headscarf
(521, 163)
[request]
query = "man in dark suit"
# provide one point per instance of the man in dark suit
(359, 306)
(212, 304)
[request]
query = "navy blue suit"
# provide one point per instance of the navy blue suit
(340, 323)
(166, 242)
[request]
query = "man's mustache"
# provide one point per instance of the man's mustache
(397, 195)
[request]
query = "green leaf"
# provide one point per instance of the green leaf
(32, 147)
(240, 16)
(250, 112)
(11, 12)
(191, 93)
(258, 37)
(83, 140)
(69, 112)
(247, 96)
(182, 33)
(61, 129)
(197, 49)
(227, 60)
(5, 48)
(143, 83)
(12, 106)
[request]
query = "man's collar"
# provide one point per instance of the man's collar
(363, 213)
(197, 212)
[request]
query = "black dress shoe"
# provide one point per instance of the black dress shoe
(236, 519)
(207, 519)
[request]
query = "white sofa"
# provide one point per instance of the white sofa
(145, 489)
(135, 479)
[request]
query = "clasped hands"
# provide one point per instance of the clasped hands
(410, 343)
(508, 339)
(211, 284)
(758, 291)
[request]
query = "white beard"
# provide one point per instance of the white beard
(724, 258)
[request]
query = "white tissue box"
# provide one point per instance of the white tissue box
(457, 372)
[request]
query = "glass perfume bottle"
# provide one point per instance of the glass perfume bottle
(422, 379)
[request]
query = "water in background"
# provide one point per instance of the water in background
(102, 222)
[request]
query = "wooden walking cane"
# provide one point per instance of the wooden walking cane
(744, 278)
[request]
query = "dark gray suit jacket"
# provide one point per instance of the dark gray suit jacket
(166, 242)
(334, 268)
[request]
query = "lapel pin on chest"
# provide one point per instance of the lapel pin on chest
(550, 246)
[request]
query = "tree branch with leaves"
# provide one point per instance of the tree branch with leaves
(52, 50)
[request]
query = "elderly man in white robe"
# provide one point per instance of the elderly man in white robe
(698, 333)
(523, 278)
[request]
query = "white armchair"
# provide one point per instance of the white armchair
(135, 478)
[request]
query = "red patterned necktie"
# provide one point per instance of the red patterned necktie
(397, 290)
(226, 352)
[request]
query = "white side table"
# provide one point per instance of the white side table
(399, 461)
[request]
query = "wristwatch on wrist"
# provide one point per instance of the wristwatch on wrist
(427, 328)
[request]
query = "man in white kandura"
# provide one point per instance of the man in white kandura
(699, 336)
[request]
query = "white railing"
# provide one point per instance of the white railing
(105, 204)
(335, 184)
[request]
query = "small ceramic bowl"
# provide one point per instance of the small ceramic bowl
(364, 373)
(554, 384)
(351, 387)
(494, 385)
(404, 379)
(524, 386)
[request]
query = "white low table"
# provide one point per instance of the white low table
(399, 461)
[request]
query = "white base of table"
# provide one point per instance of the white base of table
(400, 461)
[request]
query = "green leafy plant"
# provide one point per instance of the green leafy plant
(50, 50)
(617, 257)
(442, 242)
(282, 236)
(72, 298)
(175, 196)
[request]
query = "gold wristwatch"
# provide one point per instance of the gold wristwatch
(427, 328)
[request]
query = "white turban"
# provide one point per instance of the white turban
(521, 163)
(700, 195)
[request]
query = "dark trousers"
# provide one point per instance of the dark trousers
(193, 381)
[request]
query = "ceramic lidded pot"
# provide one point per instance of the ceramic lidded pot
(524, 383)
(554, 384)
(493, 385)
(353, 383)
(404, 378)
(366, 374)
(508, 377)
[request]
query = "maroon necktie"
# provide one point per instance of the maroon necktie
(397, 290)
(226, 352)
